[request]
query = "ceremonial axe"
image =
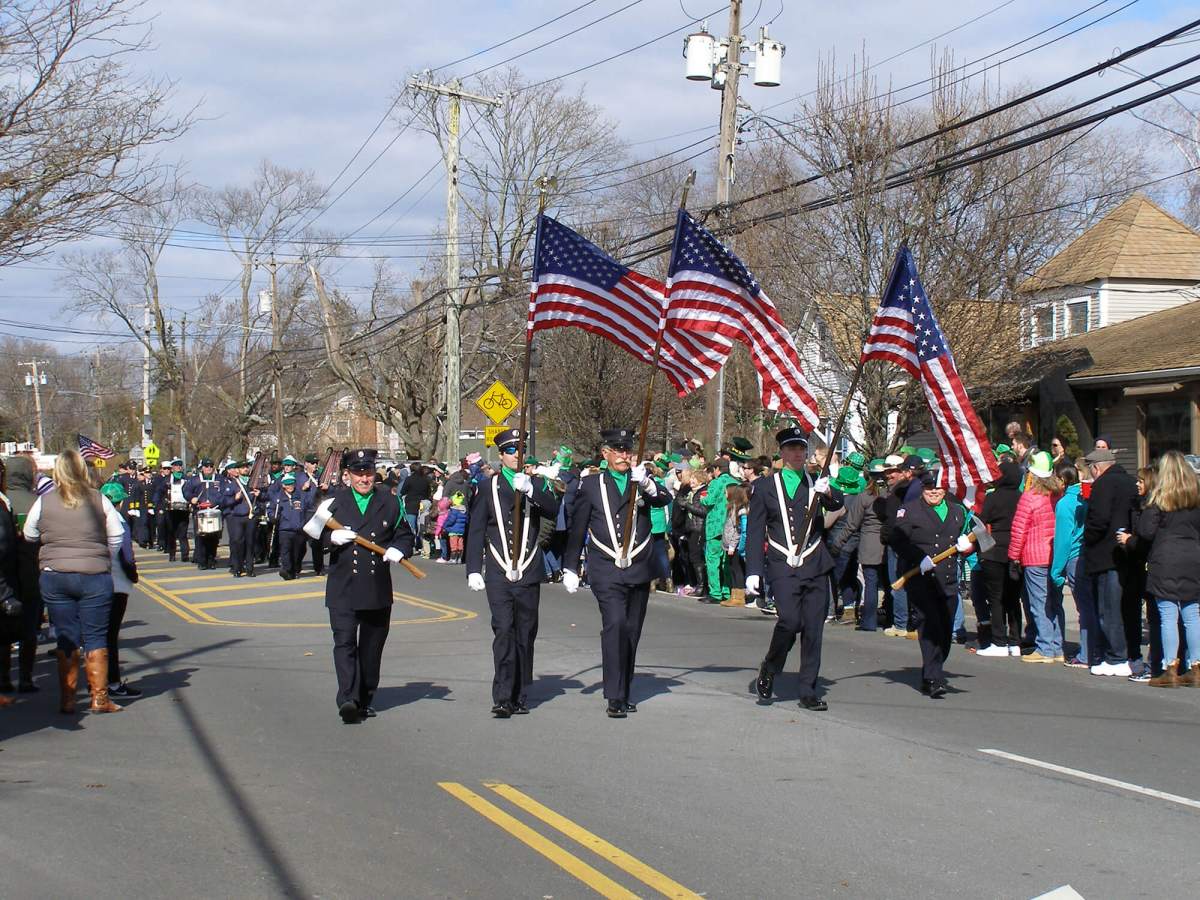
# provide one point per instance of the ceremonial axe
(979, 535)
(323, 519)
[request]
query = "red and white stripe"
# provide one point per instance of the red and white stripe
(703, 303)
(894, 339)
(630, 316)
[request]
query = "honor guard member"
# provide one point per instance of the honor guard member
(511, 577)
(204, 491)
(798, 575)
(172, 498)
(924, 528)
(158, 490)
(290, 509)
(238, 510)
(621, 584)
(308, 481)
(358, 592)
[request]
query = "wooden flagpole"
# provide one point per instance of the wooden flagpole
(627, 538)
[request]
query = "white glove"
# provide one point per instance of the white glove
(964, 544)
(649, 488)
(475, 581)
(753, 584)
(392, 555)
(638, 473)
(927, 566)
(570, 581)
(523, 483)
(339, 537)
(821, 486)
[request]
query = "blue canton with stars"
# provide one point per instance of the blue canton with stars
(563, 252)
(905, 292)
(696, 250)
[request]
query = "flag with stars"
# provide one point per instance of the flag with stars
(576, 284)
(91, 450)
(906, 333)
(711, 292)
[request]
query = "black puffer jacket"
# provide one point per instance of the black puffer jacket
(1110, 506)
(999, 507)
(1173, 570)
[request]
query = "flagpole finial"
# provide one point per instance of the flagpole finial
(545, 184)
(687, 188)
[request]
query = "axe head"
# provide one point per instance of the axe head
(320, 519)
(983, 538)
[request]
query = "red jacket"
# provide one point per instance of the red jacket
(1032, 530)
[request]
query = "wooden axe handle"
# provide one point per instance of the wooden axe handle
(332, 523)
(941, 557)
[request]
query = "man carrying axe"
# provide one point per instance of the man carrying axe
(358, 592)
(930, 533)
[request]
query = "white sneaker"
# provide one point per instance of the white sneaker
(1122, 669)
(992, 650)
(1106, 668)
(1015, 650)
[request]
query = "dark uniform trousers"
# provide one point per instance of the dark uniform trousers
(514, 627)
(241, 543)
(801, 604)
(358, 639)
(291, 551)
(934, 614)
(206, 549)
(177, 533)
(622, 614)
(318, 556)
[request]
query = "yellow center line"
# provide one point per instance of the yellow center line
(241, 584)
(254, 601)
(596, 880)
(175, 579)
(602, 848)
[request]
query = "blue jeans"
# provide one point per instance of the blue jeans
(1045, 605)
(1170, 612)
(873, 578)
(412, 523)
(79, 606)
(899, 596)
(1077, 582)
(1106, 589)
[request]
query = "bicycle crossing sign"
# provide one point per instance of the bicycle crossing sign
(497, 402)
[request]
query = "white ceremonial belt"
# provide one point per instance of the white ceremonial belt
(794, 559)
(513, 572)
(614, 555)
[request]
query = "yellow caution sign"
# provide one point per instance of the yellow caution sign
(498, 402)
(100, 463)
(489, 434)
(151, 454)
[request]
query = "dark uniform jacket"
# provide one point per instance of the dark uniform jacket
(209, 492)
(291, 512)
(765, 529)
(358, 577)
(489, 529)
(588, 518)
(233, 499)
(919, 532)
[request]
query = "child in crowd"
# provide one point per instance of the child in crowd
(733, 542)
(439, 530)
(456, 525)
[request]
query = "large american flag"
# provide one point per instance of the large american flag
(712, 292)
(89, 449)
(575, 283)
(906, 333)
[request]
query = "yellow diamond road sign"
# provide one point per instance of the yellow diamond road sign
(498, 402)
(489, 434)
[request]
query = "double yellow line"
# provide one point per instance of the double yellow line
(589, 875)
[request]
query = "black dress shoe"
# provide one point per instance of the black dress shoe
(925, 686)
(816, 704)
(630, 707)
(520, 708)
(368, 712)
(350, 712)
(765, 682)
(27, 687)
(251, 574)
(502, 710)
(937, 690)
(616, 709)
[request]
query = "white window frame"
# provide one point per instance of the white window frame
(1035, 336)
(341, 424)
(1086, 300)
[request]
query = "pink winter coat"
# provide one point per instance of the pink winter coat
(443, 511)
(1032, 530)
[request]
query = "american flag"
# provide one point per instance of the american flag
(712, 292)
(575, 283)
(906, 333)
(89, 449)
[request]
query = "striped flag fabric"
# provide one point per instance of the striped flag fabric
(90, 449)
(710, 291)
(905, 332)
(576, 284)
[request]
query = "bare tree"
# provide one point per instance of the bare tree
(77, 128)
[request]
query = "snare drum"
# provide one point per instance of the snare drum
(208, 521)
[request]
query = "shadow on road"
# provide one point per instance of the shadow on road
(547, 687)
(413, 692)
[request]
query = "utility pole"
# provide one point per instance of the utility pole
(271, 267)
(146, 373)
(35, 380)
(96, 392)
(452, 346)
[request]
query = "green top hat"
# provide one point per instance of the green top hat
(743, 444)
(906, 450)
(1001, 450)
(928, 455)
(849, 481)
(855, 460)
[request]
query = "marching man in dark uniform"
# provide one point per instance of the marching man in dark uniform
(513, 581)
(358, 592)
(798, 574)
(238, 507)
(621, 584)
(204, 492)
(924, 528)
(309, 483)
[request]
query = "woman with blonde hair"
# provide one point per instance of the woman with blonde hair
(77, 530)
(1029, 549)
(1170, 525)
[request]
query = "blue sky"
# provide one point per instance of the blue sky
(302, 83)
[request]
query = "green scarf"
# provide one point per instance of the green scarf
(942, 509)
(508, 474)
(621, 479)
(363, 500)
(791, 481)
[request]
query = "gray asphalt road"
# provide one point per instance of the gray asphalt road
(234, 777)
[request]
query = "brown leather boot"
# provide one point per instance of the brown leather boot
(68, 679)
(97, 676)
(1192, 678)
(1169, 677)
(737, 597)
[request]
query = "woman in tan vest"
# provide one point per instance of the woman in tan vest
(77, 530)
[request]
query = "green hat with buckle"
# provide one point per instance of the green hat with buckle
(849, 481)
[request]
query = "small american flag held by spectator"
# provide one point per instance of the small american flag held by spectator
(90, 450)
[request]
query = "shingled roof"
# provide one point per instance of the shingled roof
(1138, 239)
(1168, 339)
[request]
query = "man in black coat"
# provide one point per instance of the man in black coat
(513, 584)
(924, 528)
(620, 582)
(1109, 510)
(358, 591)
(797, 564)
